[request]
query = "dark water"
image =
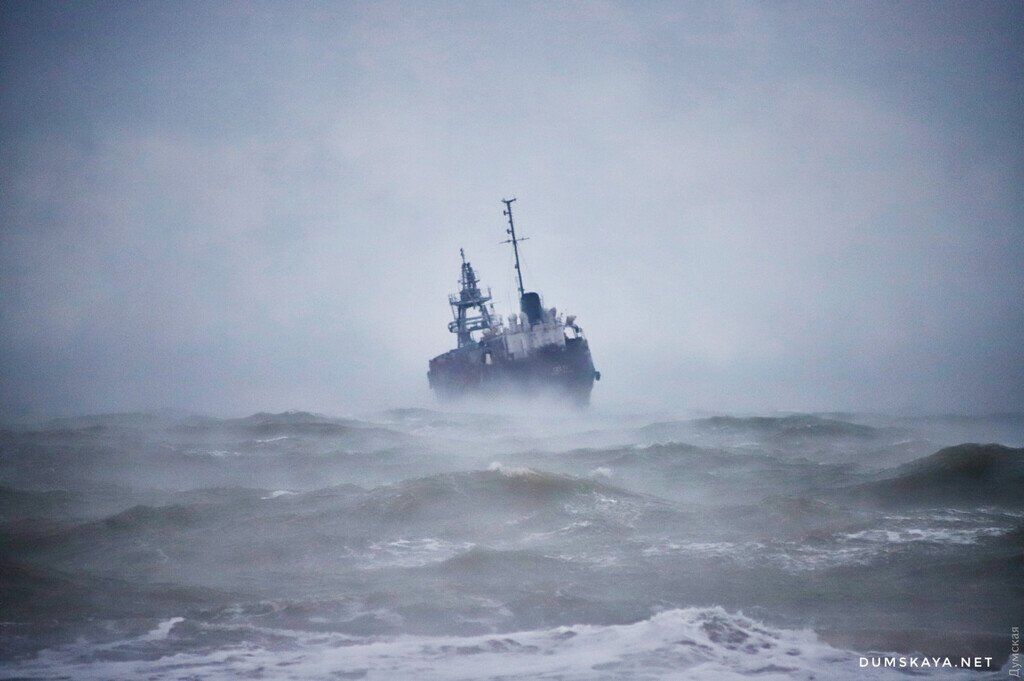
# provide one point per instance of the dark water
(421, 544)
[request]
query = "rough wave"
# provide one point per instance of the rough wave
(968, 474)
(690, 643)
(397, 545)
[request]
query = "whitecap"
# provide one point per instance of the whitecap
(512, 471)
(279, 493)
(690, 643)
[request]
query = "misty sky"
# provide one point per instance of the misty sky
(230, 207)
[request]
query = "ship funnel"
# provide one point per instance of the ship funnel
(530, 305)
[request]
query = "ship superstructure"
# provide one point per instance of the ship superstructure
(538, 351)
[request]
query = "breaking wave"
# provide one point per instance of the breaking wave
(299, 546)
(689, 643)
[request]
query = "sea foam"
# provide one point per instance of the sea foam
(690, 643)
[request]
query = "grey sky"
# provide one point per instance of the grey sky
(232, 206)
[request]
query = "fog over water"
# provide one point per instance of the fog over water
(232, 207)
(419, 544)
(792, 232)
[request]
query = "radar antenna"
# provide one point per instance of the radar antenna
(514, 241)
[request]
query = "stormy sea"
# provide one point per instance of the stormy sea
(435, 544)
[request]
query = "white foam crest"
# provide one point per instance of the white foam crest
(692, 643)
(512, 471)
(929, 535)
(162, 630)
(413, 552)
(790, 556)
(279, 493)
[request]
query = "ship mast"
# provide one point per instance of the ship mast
(468, 298)
(514, 241)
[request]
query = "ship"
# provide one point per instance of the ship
(536, 352)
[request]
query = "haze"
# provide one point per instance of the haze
(232, 207)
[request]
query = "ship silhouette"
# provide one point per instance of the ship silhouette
(537, 352)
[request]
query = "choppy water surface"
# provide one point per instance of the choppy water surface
(423, 544)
